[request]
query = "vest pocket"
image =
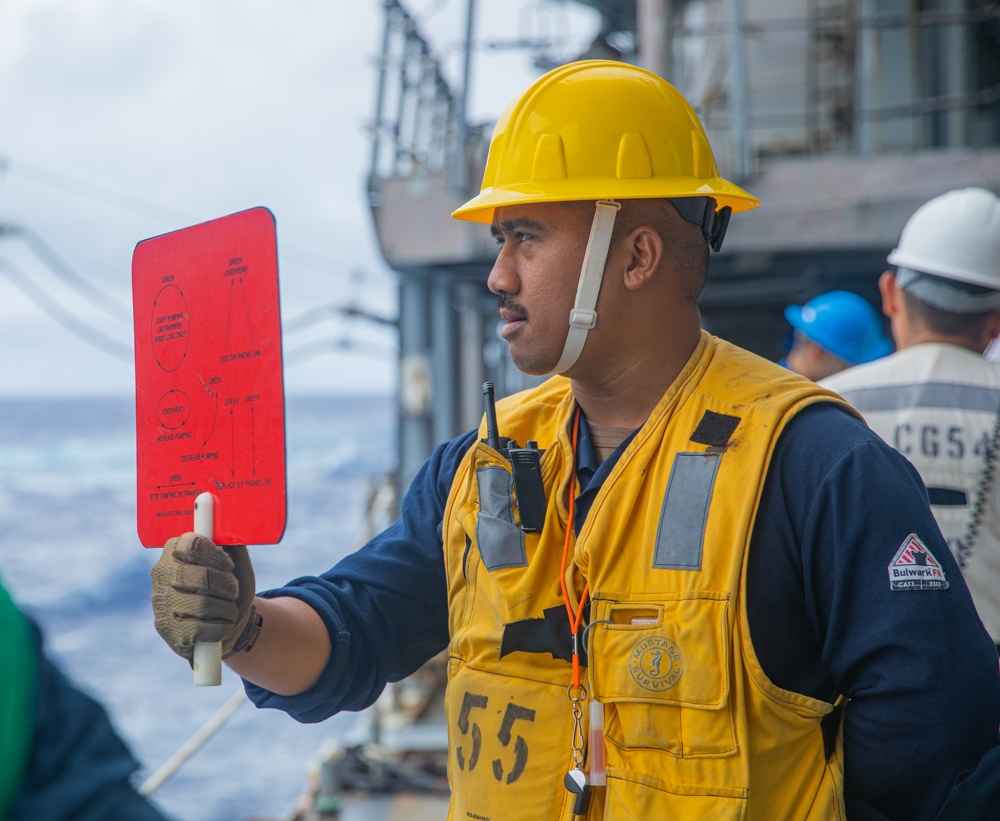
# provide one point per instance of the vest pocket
(499, 540)
(661, 666)
(634, 795)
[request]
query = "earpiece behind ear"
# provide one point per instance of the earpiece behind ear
(701, 211)
(720, 223)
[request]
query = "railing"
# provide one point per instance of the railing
(769, 78)
(837, 77)
(418, 115)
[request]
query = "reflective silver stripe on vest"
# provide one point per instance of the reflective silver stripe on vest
(680, 535)
(500, 540)
(929, 395)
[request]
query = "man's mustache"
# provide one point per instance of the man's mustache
(510, 309)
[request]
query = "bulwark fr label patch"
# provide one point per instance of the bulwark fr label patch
(915, 568)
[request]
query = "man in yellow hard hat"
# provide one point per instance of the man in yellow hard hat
(681, 602)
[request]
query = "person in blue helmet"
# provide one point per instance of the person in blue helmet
(832, 332)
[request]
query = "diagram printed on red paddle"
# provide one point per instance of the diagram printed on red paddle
(209, 385)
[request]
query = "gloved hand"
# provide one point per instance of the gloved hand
(203, 592)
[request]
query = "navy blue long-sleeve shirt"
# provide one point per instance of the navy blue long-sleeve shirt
(917, 666)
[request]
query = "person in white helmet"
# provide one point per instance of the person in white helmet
(675, 605)
(937, 399)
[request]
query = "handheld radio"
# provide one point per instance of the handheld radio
(529, 492)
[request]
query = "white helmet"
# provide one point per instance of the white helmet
(954, 236)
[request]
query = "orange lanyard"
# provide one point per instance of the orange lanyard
(574, 618)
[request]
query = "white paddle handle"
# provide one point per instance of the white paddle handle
(207, 654)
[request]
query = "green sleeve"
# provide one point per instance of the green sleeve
(17, 699)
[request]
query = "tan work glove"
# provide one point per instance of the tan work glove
(203, 592)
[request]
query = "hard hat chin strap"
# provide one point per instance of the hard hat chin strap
(583, 317)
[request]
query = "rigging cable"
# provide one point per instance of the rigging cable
(92, 293)
(193, 744)
(311, 350)
(87, 333)
(137, 206)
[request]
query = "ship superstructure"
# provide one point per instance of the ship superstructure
(843, 116)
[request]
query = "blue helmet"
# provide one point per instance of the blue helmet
(843, 323)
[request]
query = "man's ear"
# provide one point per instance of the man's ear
(644, 252)
(889, 292)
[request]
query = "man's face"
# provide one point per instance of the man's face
(535, 277)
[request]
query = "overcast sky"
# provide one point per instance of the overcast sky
(124, 119)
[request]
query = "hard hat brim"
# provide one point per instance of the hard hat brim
(481, 207)
(793, 314)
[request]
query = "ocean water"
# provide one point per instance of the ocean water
(70, 556)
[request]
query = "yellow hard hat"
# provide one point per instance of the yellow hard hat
(596, 130)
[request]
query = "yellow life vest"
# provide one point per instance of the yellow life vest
(693, 727)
